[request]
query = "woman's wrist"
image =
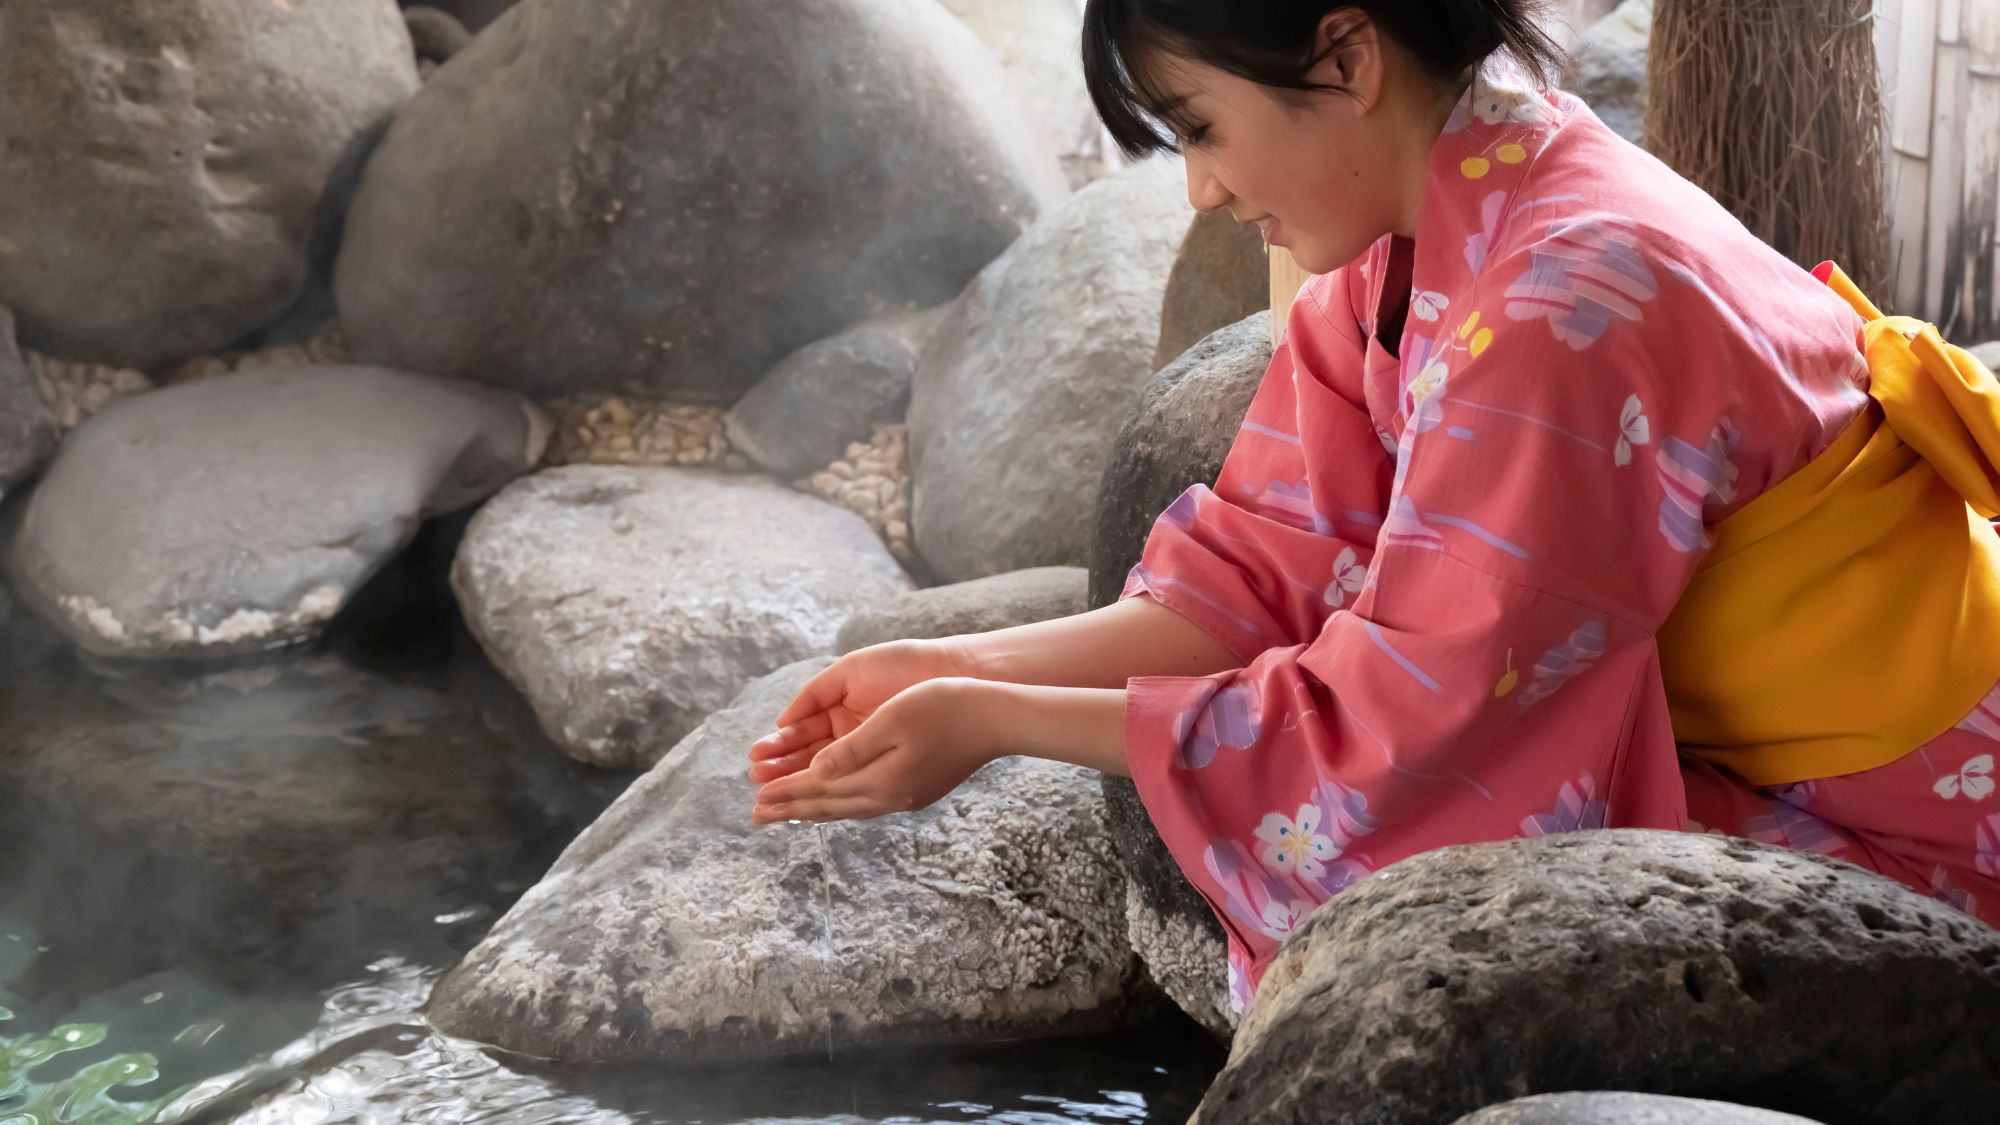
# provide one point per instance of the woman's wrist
(1079, 726)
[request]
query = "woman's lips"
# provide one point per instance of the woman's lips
(1268, 228)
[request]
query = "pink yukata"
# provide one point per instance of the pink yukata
(1444, 560)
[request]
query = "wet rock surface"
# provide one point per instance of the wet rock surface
(636, 218)
(241, 512)
(674, 933)
(978, 606)
(1185, 421)
(166, 160)
(1031, 374)
(1600, 1108)
(629, 603)
(1661, 962)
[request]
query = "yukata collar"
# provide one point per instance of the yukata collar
(1479, 161)
(1477, 164)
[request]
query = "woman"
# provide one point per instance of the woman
(1565, 504)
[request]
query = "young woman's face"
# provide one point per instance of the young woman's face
(1323, 174)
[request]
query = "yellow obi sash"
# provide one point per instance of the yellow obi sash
(1851, 613)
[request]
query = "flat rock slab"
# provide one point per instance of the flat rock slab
(166, 161)
(1661, 962)
(628, 604)
(979, 606)
(668, 198)
(1607, 1108)
(673, 932)
(241, 512)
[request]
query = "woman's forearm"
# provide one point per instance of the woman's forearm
(1099, 649)
(1081, 726)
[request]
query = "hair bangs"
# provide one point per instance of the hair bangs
(1139, 117)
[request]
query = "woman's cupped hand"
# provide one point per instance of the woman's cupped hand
(889, 728)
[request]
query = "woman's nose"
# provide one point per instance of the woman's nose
(1205, 190)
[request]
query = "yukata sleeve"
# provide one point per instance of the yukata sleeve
(1497, 674)
(1285, 535)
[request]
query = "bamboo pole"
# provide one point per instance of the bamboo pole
(1286, 280)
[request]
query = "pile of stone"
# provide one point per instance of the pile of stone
(624, 430)
(75, 391)
(325, 346)
(873, 482)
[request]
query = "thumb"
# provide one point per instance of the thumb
(845, 755)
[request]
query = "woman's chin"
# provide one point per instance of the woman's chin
(1311, 259)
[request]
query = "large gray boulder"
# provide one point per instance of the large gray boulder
(165, 161)
(1617, 1108)
(982, 605)
(802, 416)
(629, 603)
(241, 512)
(28, 431)
(671, 932)
(625, 195)
(1608, 67)
(1221, 275)
(1185, 421)
(1036, 44)
(1988, 354)
(1661, 962)
(1031, 373)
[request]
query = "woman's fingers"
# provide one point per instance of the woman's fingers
(820, 694)
(808, 784)
(775, 768)
(845, 756)
(820, 809)
(787, 740)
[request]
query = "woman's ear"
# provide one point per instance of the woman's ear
(1349, 54)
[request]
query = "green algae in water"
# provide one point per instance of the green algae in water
(81, 1098)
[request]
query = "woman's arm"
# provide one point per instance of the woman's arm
(1100, 649)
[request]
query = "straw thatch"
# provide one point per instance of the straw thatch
(1774, 107)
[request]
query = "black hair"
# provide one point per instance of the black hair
(1275, 43)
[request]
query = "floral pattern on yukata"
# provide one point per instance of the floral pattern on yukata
(1584, 276)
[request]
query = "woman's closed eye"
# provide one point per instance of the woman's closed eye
(1196, 137)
